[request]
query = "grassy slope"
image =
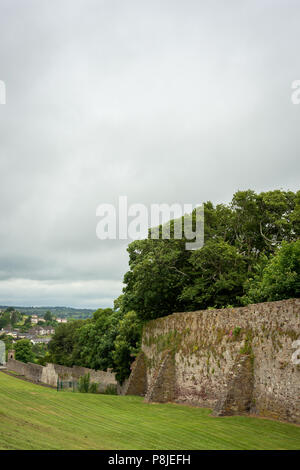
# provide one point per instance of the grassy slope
(34, 417)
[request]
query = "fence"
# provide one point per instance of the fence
(70, 385)
(88, 387)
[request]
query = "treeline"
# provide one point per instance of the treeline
(62, 312)
(10, 317)
(251, 254)
(108, 340)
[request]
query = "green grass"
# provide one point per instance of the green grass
(34, 417)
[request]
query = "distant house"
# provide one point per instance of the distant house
(13, 333)
(35, 319)
(10, 332)
(36, 340)
(42, 331)
(62, 320)
(6, 330)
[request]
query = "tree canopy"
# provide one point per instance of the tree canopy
(163, 277)
(251, 254)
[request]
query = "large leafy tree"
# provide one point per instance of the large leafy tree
(48, 316)
(219, 272)
(262, 221)
(63, 342)
(276, 278)
(4, 320)
(127, 344)
(156, 277)
(16, 316)
(163, 277)
(95, 340)
(24, 351)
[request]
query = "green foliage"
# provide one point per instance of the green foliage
(9, 309)
(84, 383)
(86, 386)
(219, 272)
(164, 278)
(48, 316)
(64, 312)
(127, 344)
(8, 341)
(108, 340)
(236, 331)
(41, 355)
(110, 390)
(26, 326)
(251, 254)
(24, 351)
(278, 277)
(94, 340)
(156, 277)
(10, 317)
(4, 319)
(15, 317)
(43, 359)
(61, 347)
(93, 388)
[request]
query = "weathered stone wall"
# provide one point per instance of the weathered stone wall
(16, 366)
(50, 373)
(237, 398)
(208, 349)
(30, 371)
(162, 387)
(137, 382)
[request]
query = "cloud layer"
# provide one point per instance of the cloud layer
(161, 101)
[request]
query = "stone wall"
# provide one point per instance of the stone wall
(212, 352)
(162, 387)
(50, 374)
(29, 370)
(136, 384)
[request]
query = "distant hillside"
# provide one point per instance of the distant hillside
(63, 312)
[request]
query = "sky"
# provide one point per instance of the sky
(162, 101)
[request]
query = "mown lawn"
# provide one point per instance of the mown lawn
(34, 417)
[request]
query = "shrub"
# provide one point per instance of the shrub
(236, 331)
(110, 390)
(84, 384)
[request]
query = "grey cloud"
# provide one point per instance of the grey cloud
(160, 101)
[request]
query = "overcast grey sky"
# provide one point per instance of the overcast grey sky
(163, 101)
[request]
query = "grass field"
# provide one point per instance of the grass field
(34, 417)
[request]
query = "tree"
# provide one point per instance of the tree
(23, 350)
(94, 343)
(276, 278)
(8, 342)
(48, 316)
(262, 221)
(4, 319)
(163, 277)
(156, 277)
(127, 344)
(219, 272)
(62, 344)
(16, 316)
